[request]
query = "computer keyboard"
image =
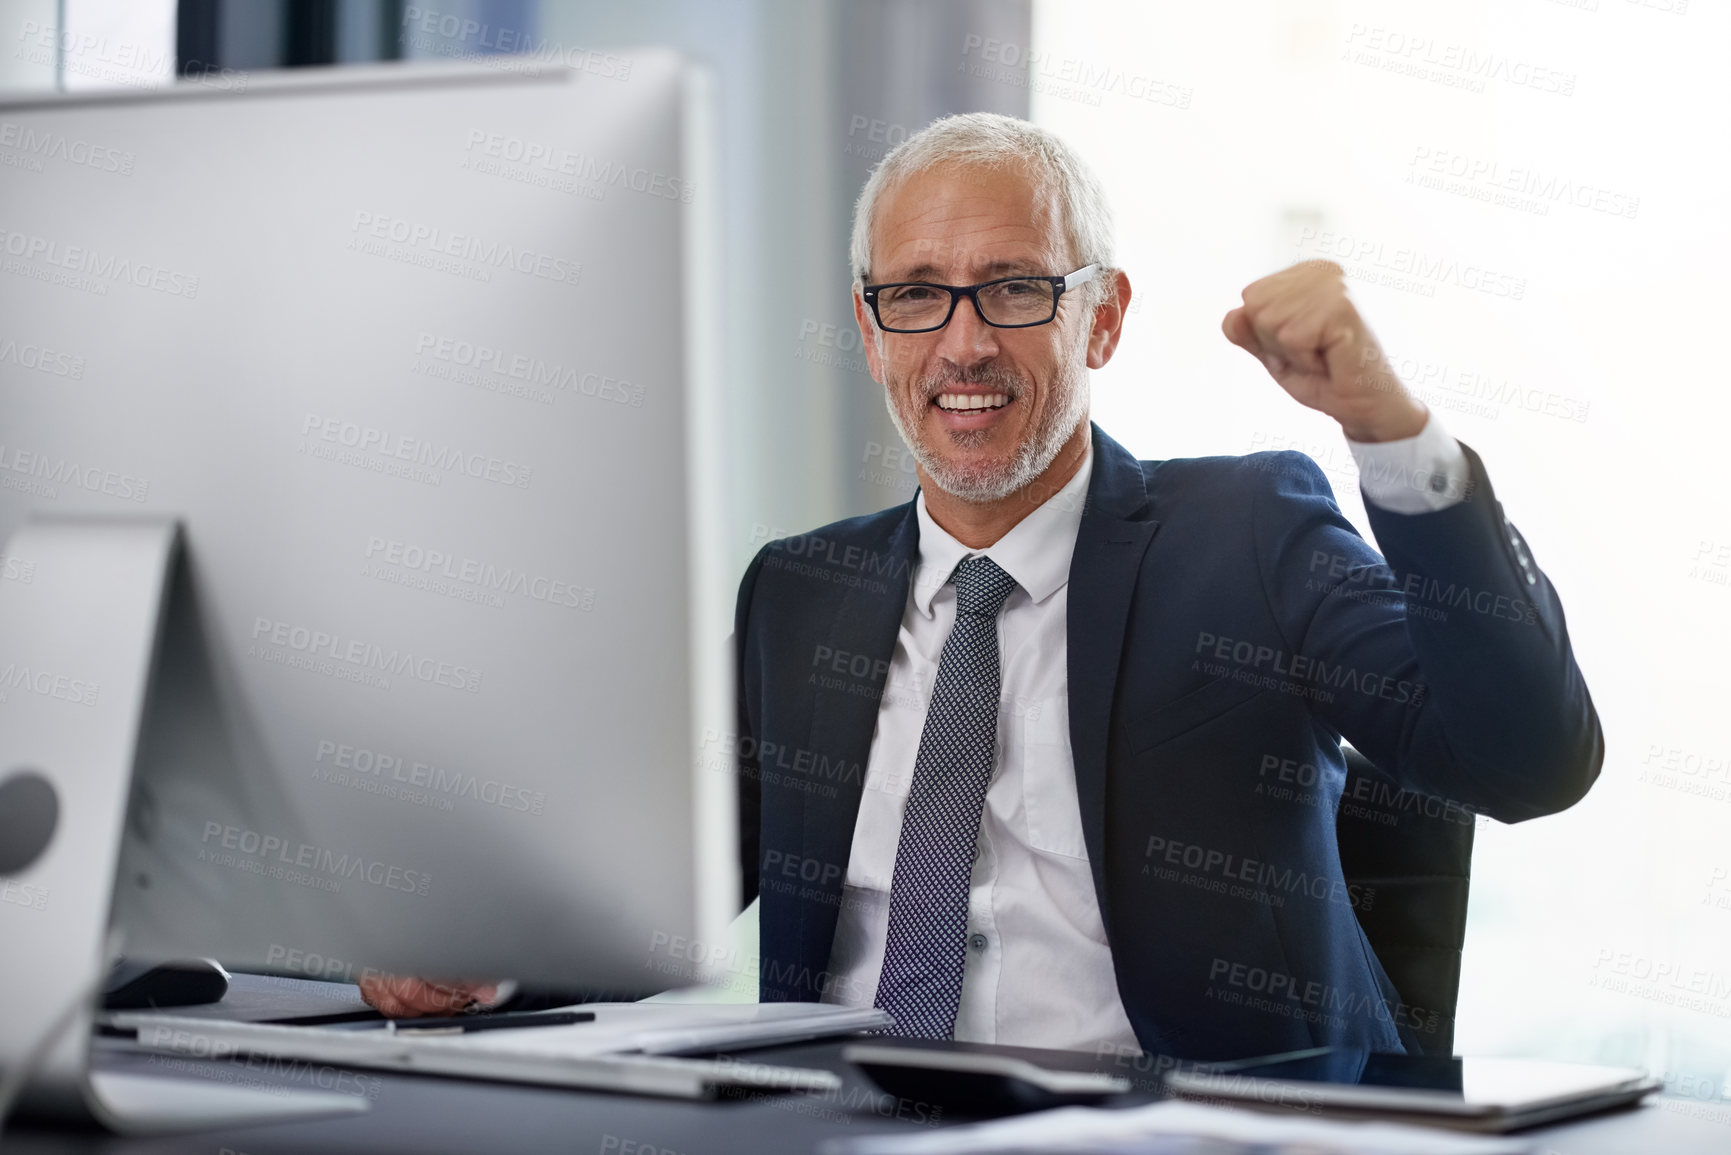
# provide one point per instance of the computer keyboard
(489, 1055)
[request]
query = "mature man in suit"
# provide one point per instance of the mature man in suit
(1013, 754)
(1005, 749)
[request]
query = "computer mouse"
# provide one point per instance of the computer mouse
(137, 986)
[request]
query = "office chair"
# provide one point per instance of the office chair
(1421, 866)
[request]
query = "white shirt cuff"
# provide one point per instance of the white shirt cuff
(1419, 474)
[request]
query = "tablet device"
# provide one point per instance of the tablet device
(977, 1085)
(1477, 1094)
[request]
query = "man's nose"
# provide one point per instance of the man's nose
(967, 339)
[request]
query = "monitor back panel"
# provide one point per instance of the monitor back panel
(405, 349)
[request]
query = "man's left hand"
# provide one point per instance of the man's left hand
(1300, 323)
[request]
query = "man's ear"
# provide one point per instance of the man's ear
(1109, 320)
(868, 337)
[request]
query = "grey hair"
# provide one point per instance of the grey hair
(989, 140)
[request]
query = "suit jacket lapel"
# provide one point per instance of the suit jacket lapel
(1110, 544)
(866, 623)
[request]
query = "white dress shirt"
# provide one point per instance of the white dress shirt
(1038, 969)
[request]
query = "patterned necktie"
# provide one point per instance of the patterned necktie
(921, 984)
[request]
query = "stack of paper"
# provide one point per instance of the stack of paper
(1175, 1128)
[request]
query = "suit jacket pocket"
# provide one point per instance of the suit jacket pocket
(1143, 729)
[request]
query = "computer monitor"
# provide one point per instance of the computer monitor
(417, 358)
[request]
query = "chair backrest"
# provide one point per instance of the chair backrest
(1416, 852)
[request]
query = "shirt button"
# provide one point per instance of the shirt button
(977, 941)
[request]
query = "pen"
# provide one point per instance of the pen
(493, 1023)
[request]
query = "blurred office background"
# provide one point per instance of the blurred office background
(1528, 197)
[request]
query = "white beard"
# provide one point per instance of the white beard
(986, 483)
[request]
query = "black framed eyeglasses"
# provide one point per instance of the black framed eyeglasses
(1006, 303)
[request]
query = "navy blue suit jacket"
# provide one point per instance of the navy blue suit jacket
(1227, 628)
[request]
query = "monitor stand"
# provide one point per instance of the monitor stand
(79, 643)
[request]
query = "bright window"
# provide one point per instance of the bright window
(1529, 197)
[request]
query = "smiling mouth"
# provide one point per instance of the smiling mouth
(971, 402)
